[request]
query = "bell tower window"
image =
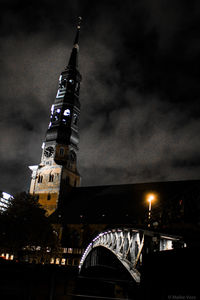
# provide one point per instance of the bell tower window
(75, 119)
(66, 112)
(62, 82)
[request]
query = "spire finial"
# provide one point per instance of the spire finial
(78, 30)
(73, 60)
(79, 22)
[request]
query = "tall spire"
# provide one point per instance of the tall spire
(58, 168)
(73, 60)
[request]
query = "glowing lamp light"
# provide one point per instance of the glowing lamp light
(151, 198)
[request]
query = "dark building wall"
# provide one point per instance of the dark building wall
(171, 274)
(122, 204)
(86, 211)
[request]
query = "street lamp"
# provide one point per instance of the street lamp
(150, 199)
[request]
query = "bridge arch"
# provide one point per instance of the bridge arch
(128, 245)
(102, 263)
(122, 245)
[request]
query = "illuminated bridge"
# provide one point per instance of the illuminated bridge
(128, 245)
(5, 200)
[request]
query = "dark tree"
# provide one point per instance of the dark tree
(24, 226)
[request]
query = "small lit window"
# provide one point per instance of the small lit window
(71, 81)
(58, 110)
(63, 261)
(66, 112)
(52, 261)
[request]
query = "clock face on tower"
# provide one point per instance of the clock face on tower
(48, 152)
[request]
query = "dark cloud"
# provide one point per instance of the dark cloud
(140, 117)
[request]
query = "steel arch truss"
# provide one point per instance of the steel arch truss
(127, 245)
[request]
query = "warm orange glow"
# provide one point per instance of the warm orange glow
(151, 197)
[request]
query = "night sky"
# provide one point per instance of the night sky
(140, 106)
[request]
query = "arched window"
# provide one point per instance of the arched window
(40, 178)
(51, 177)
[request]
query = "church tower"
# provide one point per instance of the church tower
(58, 168)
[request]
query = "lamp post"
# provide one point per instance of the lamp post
(150, 199)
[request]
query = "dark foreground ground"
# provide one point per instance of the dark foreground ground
(170, 275)
(35, 282)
